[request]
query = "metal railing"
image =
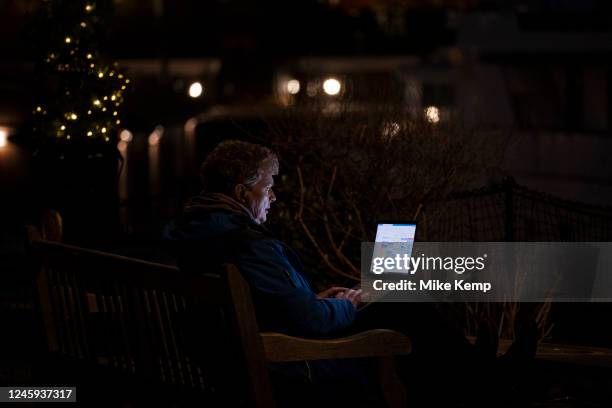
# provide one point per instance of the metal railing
(510, 212)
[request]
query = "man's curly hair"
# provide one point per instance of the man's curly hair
(235, 162)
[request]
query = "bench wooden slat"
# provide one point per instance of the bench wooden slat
(206, 287)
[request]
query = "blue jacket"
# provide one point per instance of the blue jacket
(283, 299)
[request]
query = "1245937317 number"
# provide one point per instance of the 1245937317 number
(66, 394)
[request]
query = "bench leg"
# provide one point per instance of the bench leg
(393, 389)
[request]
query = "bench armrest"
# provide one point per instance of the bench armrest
(372, 343)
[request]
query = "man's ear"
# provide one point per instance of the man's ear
(240, 193)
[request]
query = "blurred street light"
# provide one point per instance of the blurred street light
(126, 136)
(195, 90)
(3, 137)
(432, 114)
(156, 135)
(190, 126)
(332, 86)
(293, 86)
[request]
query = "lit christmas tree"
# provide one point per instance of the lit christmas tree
(75, 119)
(80, 93)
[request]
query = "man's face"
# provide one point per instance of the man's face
(260, 197)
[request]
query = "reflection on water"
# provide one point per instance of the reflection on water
(156, 176)
(14, 162)
(16, 195)
(154, 180)
(3, 138)
(188, 147)
(159, 173)
(123, 170)
(154, 173)
(122, 146)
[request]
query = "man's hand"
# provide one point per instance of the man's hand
(331, 292)
(338, 292)
(354, 296)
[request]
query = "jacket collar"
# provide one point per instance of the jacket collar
(207, 203)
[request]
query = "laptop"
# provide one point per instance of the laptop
(391, 236)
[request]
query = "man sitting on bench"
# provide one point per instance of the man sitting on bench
(224, 224)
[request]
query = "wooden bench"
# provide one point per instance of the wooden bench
(587, 356)
(193, 337)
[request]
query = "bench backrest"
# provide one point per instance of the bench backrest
(187, 333)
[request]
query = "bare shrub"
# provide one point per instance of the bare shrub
(346, 166)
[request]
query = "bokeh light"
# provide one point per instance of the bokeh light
(195, 90)
(293, 86)
(332, 86)
(432, 114)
